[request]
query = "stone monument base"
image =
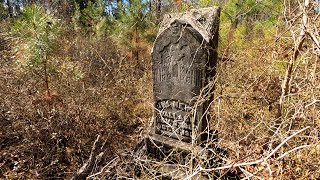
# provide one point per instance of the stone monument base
(175, 159)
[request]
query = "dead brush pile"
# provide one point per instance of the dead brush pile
(268, 91)
(95, 89)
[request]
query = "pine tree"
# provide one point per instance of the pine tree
(90, 16)
(247, 14)
(129, 25)
(36, 33)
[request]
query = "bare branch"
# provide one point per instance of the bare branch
(260, 160)
(84, 171)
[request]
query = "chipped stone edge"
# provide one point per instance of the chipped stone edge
(207, 29)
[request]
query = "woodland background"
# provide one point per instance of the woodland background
(73, 70)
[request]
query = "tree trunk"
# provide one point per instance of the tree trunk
(298, 45)
(232, 29)
(137, 43)
(11, 8)
(118, 9)
(158, 11)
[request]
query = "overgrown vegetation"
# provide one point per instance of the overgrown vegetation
(71, 71)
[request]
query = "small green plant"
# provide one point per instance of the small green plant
(36, 34)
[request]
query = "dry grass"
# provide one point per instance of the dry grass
(95, 90)
(247, 113)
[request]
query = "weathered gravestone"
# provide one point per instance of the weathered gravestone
(184, 58)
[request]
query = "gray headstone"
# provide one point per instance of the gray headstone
(184, 58)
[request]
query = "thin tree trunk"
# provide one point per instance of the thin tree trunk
(11, 8)
(297, 48)
(137, 43)
(158, 11)
(46, 76)
(232, 29)
(118, 9)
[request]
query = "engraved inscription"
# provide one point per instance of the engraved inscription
(173, 118)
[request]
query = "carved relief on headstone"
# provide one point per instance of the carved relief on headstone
(184, 59)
